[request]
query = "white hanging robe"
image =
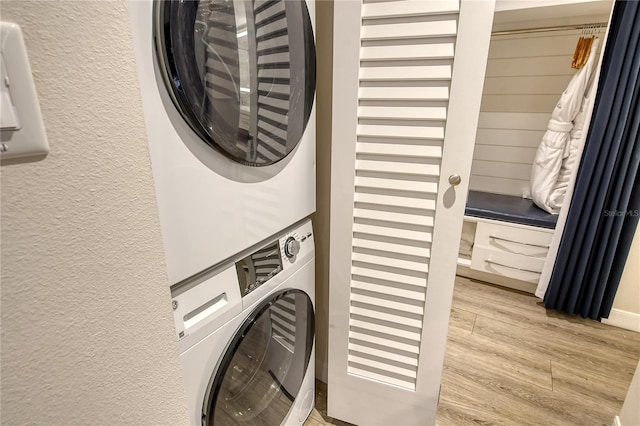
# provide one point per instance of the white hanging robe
(555, 147)
(571, 158)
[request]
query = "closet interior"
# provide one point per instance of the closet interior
(506, 237)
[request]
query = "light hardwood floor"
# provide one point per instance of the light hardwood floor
(511, 362)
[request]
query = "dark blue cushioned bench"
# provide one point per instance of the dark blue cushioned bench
(508, 208)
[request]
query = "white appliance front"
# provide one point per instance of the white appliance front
(217, 196)
(250, 359)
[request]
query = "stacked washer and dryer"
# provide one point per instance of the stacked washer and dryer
(228, 93)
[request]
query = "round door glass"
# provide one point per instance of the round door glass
(262, 372)
(241, 72)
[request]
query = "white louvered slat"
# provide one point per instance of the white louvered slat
(386, 301)
(392, 356)
(411, 321)
(394, 217)
(399, 149)
(405, 71)
(394, 331)
(391, 262)
(397, 73)
(390, 247)
(409, 8)
(416, 280)
(408, 51)
(400, 292)
(408, 132)
(387, 231)
(390, 342)
(403, 113)
(391, 200)
(410, 30)
(383, 378)
(387, 367)
(399, 167)
(397, 184)
(404, 93)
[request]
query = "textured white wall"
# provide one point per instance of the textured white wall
(87, 333)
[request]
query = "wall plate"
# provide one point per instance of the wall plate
(22, 133)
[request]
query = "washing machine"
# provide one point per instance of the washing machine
(228, 95)
(246, 335)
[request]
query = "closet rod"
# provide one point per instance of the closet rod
(594, 25)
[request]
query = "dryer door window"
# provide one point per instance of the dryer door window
(241, 73)
(262, 370)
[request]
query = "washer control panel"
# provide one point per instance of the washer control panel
(209, 301)
(257, 268)
(297, 244)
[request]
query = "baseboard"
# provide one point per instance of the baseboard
(616, 421)
(623, 319)
(321, 371)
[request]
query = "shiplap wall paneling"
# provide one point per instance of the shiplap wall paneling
(526, 74)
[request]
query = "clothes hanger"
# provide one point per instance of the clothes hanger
(576, 53)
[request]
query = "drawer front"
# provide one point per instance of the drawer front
(514, 240)
(517, 266)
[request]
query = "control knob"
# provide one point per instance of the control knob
(291, 247)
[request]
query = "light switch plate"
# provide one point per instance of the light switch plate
(22, 133)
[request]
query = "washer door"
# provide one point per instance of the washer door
(262, 370)
(241, 72)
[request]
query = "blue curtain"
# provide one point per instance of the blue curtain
(605, 208)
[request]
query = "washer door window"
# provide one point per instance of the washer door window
(241, 73)
(261, 373)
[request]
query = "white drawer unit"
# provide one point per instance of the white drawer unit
(515, 239)
(507, 254)
(499, 262)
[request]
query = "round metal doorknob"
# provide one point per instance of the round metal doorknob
(455, 180)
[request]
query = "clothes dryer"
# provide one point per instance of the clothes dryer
(228, 94)
(246, 336)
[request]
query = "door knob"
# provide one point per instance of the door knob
(455, 180)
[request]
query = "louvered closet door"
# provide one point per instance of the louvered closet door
(408, 79)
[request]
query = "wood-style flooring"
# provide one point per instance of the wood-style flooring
(511, 362)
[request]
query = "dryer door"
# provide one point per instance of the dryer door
(241, 73)
(262, 370)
